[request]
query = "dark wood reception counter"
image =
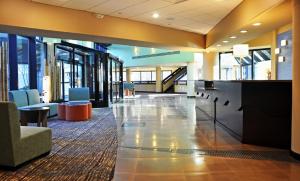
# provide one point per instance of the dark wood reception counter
(255, 112)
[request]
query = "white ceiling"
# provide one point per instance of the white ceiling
(198, 16)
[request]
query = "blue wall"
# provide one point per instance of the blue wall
(284, 69)
(126, 54)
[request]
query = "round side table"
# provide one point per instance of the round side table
(38, 114)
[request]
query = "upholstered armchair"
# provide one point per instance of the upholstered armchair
(79, 94)
(19, 144)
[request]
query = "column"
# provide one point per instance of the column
(191, 79)
(128, 75)
(296, 80)
(158, 86)
(274, 56)
(194, 72)
(208, 65)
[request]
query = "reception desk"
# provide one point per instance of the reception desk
(254, 112)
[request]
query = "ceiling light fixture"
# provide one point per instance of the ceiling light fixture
(256, 24)
(155, 15)
(243, 31)
(225, 41)
(233, 37)
(218, 45)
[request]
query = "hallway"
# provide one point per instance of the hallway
(160, 139)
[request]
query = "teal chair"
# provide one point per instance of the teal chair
(79, 94)
(31, 98)
(19, 144)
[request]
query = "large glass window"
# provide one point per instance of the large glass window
(153, 76)
(166, 73)
(145, 76)
(23, 62)
(135, 76)
(40, 63)
(124, 76)
(78, 70)
(256, 66)
(4, 78)
(262, 64)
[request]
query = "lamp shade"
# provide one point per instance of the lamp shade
(241, 50)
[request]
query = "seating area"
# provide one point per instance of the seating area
(149, 90)
(75, 111)
(129, 89)
(29, 99)
(19, 144)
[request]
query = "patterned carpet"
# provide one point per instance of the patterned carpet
(80, 151)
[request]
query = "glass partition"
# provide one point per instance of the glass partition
(23, 62)
(40, 64)
(4, 75)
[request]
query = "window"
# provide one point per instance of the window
(145, 76)
(23, 62)
(40, 63)
(135, 76)
(166, 73)
(4, 70)
(153, 78)
(262, 64)
(256, 66)
(124, 76)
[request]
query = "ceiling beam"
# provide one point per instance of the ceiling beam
(271, 13)
(31, 18)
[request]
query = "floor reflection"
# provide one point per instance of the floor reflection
(161, 138)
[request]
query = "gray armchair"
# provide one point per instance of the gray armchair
(19, 144)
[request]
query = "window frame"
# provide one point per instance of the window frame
(251, 52)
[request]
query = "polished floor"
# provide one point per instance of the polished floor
(160, 139)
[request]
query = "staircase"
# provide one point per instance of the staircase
(169, 82)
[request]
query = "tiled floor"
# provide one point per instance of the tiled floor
(160, 139)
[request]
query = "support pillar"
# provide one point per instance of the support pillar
(191, 80)
(274, 56)
(296, 80)
(194, 72)
(158, 86)
(208, 65)
(128, 75)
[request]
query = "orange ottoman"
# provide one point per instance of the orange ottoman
(90, 110)
(61, 111)
(77, 112)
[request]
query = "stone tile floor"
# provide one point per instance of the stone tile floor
(161, 139)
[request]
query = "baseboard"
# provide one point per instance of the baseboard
(295, 155)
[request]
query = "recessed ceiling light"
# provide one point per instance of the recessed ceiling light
(225, 41)
(243, 31)
(218, 45)
(155, 15)
(233, 37)
(256, 24)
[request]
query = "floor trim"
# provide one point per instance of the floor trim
(295, 155)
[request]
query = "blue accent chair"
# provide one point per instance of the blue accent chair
(31, 98)
(79, 94)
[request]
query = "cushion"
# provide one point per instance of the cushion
(129, 86)
(18, 97)
(78, 94)
(33, 97)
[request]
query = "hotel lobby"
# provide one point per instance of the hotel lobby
(158, 90)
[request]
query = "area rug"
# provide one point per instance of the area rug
(81, 151)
